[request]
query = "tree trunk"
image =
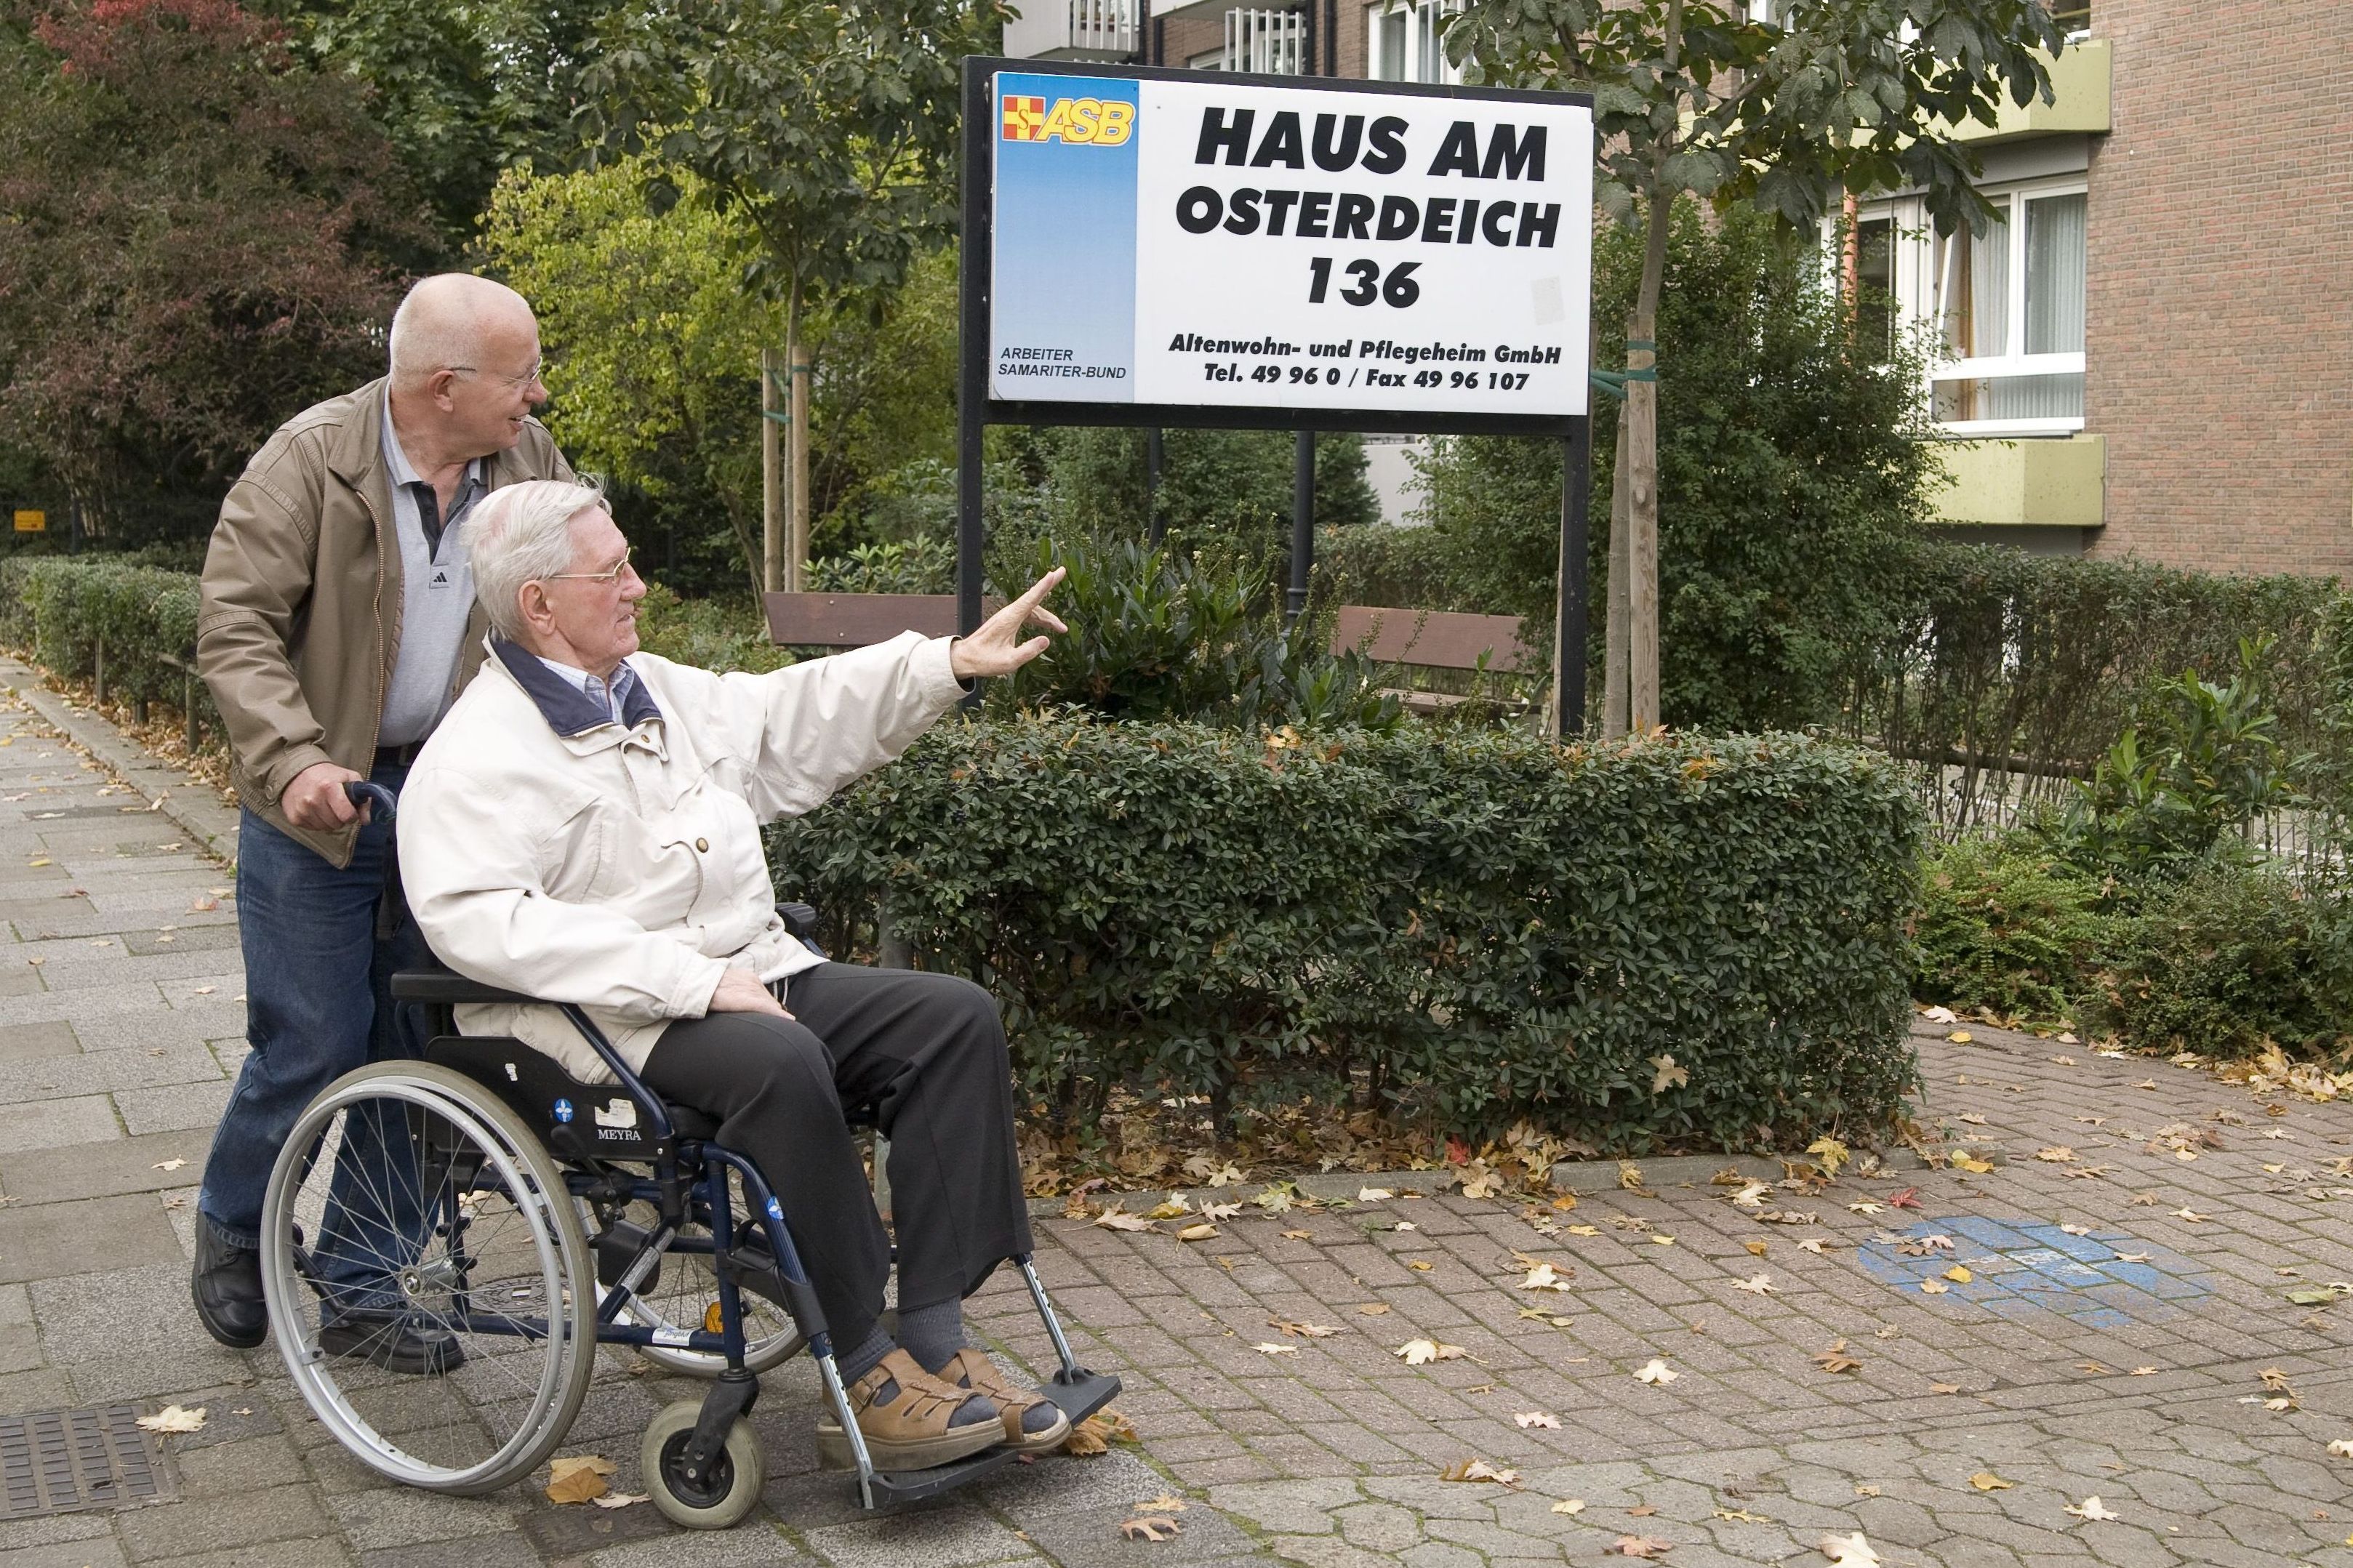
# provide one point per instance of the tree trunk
(1643, 478)
(1633, 702)
(1613, 653)
(796, 356)
(768, 572)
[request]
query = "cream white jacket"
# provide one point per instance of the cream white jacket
(620, 866)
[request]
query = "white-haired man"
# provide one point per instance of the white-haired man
(338, 623)
(585, 828)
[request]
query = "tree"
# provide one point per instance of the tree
(832, 126)
(1836, 96)
(652, 337)
(201, 236)
(464, 89)
(1790, 474)
(637, 273)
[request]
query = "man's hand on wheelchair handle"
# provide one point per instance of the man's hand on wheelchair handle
(996, 648)
(315, 798)
(740, 991)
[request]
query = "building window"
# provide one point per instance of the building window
(2011, 318)
(1402, 36)
(1272, 43)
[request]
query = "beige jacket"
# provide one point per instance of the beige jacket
(620, 867)
(300, 624)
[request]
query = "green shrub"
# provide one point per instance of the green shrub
(1995, 662)
(2208, 768)
(1156, 635)
(1467, 925)
(2229, 958)
(917, 565)
(65, 608)
(2008, 926)
(709, 634)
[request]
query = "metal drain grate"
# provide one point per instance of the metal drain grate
(60, 1462)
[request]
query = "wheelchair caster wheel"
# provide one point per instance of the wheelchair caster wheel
(712, 1501)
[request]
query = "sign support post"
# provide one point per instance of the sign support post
(1302, 524)
(1576, 488)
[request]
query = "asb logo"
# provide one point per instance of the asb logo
(1077, 121)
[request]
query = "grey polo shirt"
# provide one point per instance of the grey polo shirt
(437, 596)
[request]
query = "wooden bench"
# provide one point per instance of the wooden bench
(1430, 639)
(855, 620)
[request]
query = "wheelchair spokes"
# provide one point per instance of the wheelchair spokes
(682, 1293)
(437, 1312)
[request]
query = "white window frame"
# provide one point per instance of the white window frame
(1409, 69)
(1923, 269)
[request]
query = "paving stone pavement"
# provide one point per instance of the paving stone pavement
(2122, 1307)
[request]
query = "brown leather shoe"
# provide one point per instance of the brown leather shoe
(911, 1432)
(971, 1369)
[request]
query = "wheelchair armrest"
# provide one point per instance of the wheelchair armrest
(799, 918)
(448, 988)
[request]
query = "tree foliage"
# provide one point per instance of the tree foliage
(637, 272)
(833, 126)
(198, 236)
(653, 342)
(465, 89)
(1785, 112)
(1787, 468)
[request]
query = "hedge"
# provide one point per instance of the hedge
(64, 608)
(1997, 661)
(1682, 942)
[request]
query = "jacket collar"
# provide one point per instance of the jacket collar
(358, 447)
(569, 711)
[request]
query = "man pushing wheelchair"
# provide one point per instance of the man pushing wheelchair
(409, 602)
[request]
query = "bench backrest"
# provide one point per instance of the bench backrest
(1438, 639)
(854, 620)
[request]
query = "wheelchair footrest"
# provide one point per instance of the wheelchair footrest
(1079, 1398)
(911, 1486)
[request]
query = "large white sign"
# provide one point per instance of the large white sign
(1204, 241)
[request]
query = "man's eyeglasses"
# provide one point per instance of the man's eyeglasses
(513, 383)
(606, 577)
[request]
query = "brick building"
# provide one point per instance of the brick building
(2151, 353)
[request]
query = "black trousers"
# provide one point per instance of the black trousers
(923, 1056)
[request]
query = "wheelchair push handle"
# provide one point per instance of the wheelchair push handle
(360, 792)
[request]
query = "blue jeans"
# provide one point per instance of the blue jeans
(318, 1005)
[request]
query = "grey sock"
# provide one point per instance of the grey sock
(868, 1354)
(933, 1334)
(865, 1356)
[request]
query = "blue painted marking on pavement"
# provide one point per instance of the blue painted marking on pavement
(2023, 1267)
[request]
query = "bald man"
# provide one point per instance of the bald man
(338, 623)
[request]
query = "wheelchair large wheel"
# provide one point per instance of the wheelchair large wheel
(427, 1279)
(684, 1294)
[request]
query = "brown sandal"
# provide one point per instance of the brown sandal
(971, 1369)
(912, 1432)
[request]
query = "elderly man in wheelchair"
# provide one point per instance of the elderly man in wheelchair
(631, 1125)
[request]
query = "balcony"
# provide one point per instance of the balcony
(1272, 43)
(1104, 31)
(2026, 483)
(2079, 105)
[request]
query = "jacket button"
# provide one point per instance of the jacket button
(703, 844)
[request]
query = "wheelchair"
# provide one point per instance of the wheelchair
(511, 1219)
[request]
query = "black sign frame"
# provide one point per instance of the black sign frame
(977, 409)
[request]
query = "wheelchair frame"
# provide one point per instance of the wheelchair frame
(687, 1186)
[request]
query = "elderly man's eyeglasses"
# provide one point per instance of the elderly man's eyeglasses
(606, 577)
(513, 383)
